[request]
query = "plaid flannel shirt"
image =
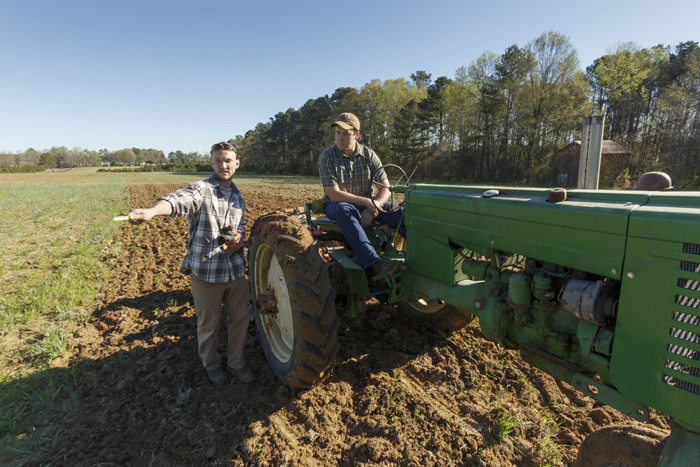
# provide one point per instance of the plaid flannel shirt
(351, 174)
(208, 210)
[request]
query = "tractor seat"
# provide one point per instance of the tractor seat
(321, 221)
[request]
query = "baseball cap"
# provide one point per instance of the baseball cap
(347, 121)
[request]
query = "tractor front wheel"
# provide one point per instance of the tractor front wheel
(293, 300)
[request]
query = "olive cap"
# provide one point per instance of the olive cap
(347, 121)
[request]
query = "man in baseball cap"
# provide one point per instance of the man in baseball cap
(347, 170)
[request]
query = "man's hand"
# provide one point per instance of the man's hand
(161, 208)
(238, 239)
(235, 244)
(366, 217)
(370, 206)
(371, 211)
(138, 216)
(378, 205)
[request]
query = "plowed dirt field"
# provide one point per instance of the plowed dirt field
(400, 394)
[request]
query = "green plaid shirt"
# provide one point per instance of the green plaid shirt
(351, 174)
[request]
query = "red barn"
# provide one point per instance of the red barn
(614, 159)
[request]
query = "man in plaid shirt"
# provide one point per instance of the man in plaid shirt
(214, 208)
(347, 169)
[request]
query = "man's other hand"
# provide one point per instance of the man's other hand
(366, 217)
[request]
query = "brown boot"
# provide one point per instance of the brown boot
(244, 375)
(385, 267)
(216, 376)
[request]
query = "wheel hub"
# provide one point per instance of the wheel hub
(273, 303)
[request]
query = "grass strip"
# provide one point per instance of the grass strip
(52, 268)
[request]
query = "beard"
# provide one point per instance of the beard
(223, 178)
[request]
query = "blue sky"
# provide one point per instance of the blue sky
(182, 75)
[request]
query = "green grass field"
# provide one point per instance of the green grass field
(54, 230)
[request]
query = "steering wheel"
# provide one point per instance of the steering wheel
(391, 207)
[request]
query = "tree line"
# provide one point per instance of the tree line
(62, 157)
(501, 118)
(497, 120)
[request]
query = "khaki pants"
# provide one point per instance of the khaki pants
(208, 298)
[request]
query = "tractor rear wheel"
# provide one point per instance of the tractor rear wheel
(441, 315)
(293, 300)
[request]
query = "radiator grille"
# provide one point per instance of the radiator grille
(689, 265)
(688, 301)
(688, 318)
(688, 284)
(691, 248)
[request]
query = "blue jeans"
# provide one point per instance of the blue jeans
(348, 218)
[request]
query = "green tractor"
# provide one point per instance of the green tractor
(600, 289)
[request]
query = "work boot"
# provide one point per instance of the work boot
(385, 267)
(216, 376)
(244, 375)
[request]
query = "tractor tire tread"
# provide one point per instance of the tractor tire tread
(311, 297)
